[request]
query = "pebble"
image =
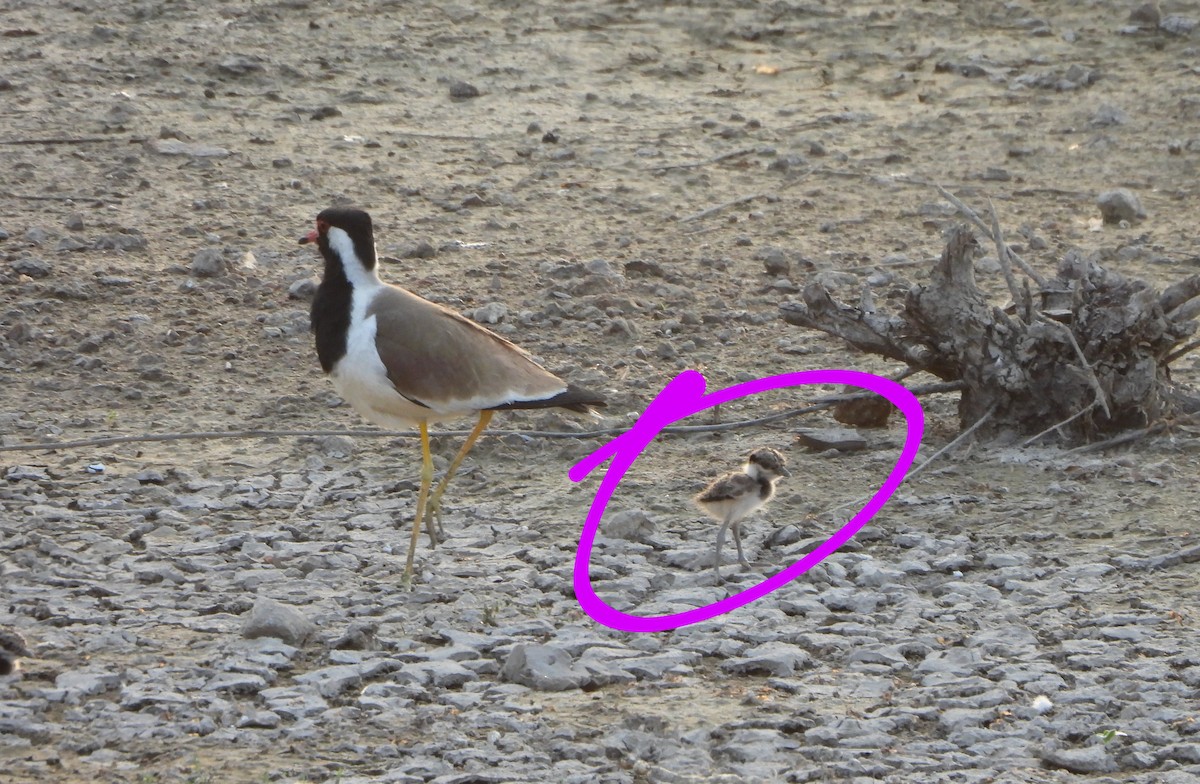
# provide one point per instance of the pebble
(32, 267)
(208, 263)
(1176, 24)
(1120, 205)
(187, 149)
(269, 618)
(238, 65)
(304, 289)
(461, 90)
(420, 249)
(772, 658)
(123, 241)
(542, 667)
(491, 313)
(631, 524)
(1092, 759)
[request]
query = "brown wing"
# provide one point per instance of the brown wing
(726, 488)
(438, 358)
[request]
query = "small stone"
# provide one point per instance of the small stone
(445, 674)
(239, 65)
(190, 149)
(208, 263)
(32, 267)
(461, 90)
(325, 112)
(74, 222)
(1119, 205)
(69, 244)
(1109, 115)
(632, 524)
(244, 683)
(421, 249)
(1093, 759)
(775, 262)
(840, 438)
(1178, 25)
(259, 719)
(542, 667)
(773, 658)
(305, 288)
(337, 447)
(785, 163)
(124, 241)
(1146, 15)
(76, 684)
(491, 313)
(269, 618)
(36, 235)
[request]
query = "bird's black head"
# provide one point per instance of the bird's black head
(770, 462)
(355, 223)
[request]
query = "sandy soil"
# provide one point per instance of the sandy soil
(136, 135)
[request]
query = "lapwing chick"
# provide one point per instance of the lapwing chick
(403, 361)
(733, 497)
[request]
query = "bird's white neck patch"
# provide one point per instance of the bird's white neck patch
(356, 272)
(754, 471)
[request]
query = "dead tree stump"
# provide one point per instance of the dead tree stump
(1089, 352)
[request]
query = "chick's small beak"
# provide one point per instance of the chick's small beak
(784, 472)
(312, 236)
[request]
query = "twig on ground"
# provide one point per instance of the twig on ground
(445, 137)
(60, 140)
(823, 403)
(697, 164)
(717, 208)
(38, 197)
(1123, 438)
(957, 440)
(1056, 426)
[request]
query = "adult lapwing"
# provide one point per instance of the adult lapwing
(403, 361)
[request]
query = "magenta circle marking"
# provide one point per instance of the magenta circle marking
(682, 397)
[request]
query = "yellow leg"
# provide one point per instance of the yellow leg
(422, 497)
(435, 502)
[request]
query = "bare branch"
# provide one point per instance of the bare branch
(1002, 253)
(719, 207)
(822, 403)
(1186, 348)
(973, 216)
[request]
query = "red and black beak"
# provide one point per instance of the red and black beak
(312, 236)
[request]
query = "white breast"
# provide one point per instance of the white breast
(734, 509)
